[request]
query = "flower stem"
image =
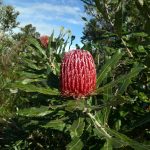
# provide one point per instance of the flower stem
(96, 123)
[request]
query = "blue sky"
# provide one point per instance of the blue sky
(49, 15)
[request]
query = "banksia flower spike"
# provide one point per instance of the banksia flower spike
(44, 40)
(78, 74)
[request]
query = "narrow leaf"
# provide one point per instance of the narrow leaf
(122, 79)
(118, 19)
(125, 83)
(107, 67)
(35, 43)
(142, 121)
(107, 145)
(34, 111)
(76, 144)
(77, 128)
(55, 124)
(121, 138)
(33, 88)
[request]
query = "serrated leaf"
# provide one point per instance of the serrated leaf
(121, 138)
(27, 81)
(102, 116)
(107, 94)
(33, 88)
(76, 144)
(34, 111)
(34, 42)
(116, 137)
(88, 126)
(124, 79)
(98, 133)
(31, 64)
(99, 117)
(107, 145)
(99, 129)
(117, 144)
(55, 124)
(77, 127)
(123, 86)
(106, 112)
(31, 75)
(107, 67)
(74, 105)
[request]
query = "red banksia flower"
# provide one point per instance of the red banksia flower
(44, 40)
(78, 74)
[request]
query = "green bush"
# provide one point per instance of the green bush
(116, 116)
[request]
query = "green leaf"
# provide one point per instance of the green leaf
(27, 81)
(99, 117)
(99, 129)
(141, 49)
(108, 66)
(121, 138)
(74, 105)
(76, 144)
(107, 145)
(89, 127)
(124, 80)
(123, 86)
(102, 116)
(33, 88)
(31, 123)
(29, 75)
(117, 138)
(143, 97)
(141, 2)
(139, 34)
(142, 121)
(147, 27)
(35, 43)
(31, 64)
(34, 111)
(55, 124)
(118, 124)
(118, 18)
(98, 133)
(50, 48)
(77, 127)
(107, 94)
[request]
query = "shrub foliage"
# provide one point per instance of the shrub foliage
(33, 113)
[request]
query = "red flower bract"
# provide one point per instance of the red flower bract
(44, 40)
(78, 74)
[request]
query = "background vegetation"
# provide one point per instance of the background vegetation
(33, 115)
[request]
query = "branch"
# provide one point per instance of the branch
(127, 49)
